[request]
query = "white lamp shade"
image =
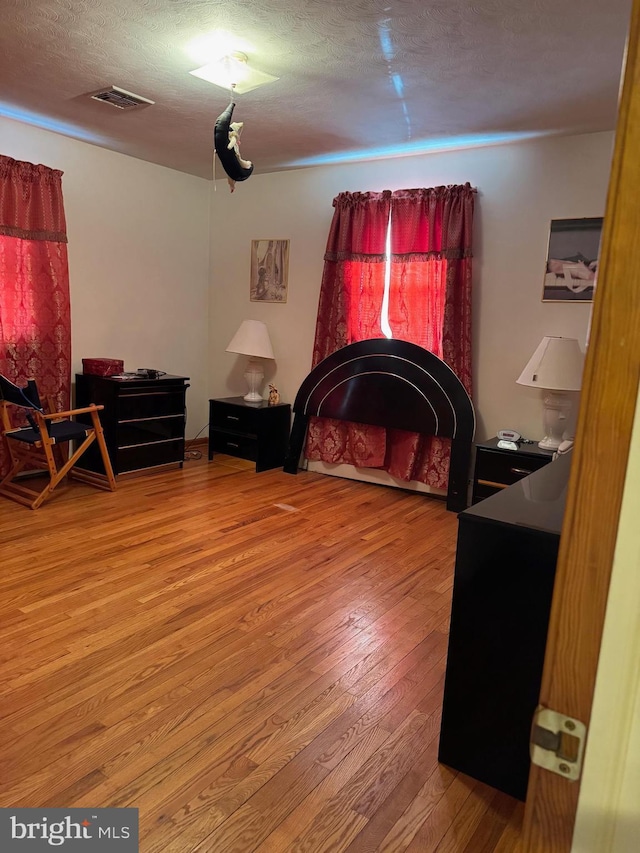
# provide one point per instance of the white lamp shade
(556, 365)
(252, 338)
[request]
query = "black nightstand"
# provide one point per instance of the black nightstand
(255, 431)
(495, 469)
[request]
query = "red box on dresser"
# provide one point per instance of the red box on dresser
(102, 366)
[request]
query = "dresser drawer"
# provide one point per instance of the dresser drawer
(150, 430)
(234, 418)
(154, 454)
(149, 404)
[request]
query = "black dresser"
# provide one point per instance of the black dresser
(503, 584)
(143, 419)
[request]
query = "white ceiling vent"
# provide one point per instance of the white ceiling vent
(121, 99)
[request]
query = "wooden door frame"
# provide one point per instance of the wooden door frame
(589, 532)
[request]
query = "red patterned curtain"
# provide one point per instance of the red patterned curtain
(350, 308)
(429, 305)
(35, 325)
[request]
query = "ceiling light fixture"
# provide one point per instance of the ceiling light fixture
(233, 70)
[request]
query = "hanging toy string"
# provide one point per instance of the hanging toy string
(226, 141)
(232, 87)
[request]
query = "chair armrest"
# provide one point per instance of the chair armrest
(71, 412)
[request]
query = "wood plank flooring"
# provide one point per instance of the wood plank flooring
(254, 661)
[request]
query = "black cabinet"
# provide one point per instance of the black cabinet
(503, 585)
(255, 431)
(143, 419)
(495, 469)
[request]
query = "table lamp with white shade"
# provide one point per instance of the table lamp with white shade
(556, 367)
(252, 339)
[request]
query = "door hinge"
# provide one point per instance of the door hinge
(557, 743)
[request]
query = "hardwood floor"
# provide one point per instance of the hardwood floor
(254, 661)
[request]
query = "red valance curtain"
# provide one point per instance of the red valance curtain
(429, 303)
(35, 325)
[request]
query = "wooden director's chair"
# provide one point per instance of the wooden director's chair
(37, 447)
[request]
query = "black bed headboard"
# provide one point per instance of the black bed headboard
(394, 384)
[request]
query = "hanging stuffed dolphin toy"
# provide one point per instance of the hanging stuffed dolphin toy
(226, 139)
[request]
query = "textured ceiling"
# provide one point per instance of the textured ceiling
(377, 76)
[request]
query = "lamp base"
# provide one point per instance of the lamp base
(254, 374)
(556, 410)
(548, 443)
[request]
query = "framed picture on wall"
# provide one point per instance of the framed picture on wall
(269, 270)
(572, 260)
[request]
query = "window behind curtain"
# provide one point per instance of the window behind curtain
(429, 303)
(35, 330)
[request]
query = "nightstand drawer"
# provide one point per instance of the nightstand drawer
(234, 445)
(495, 469)
(234, 418)
(505, 467)
(485, 489)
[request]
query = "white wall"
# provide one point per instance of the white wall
(138, 257)
(521, 188)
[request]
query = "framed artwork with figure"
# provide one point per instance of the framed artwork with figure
(269, 270)
(572, 260)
